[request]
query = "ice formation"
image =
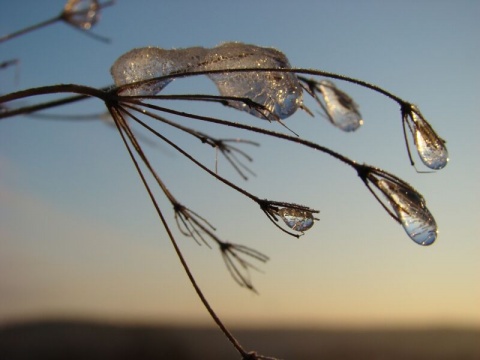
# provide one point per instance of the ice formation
(411, 210)
(279, 93)
(341, 109)
(431, 148)
(297, 219)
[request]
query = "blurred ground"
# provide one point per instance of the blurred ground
(54, 340)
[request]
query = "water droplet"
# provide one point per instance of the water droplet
(411, 210)
(431, 148)
(296, 219)
(82, 13)
(341, 109)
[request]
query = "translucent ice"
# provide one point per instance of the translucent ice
(431, 148)
(341, 109)
(278, 92)
(82, 13)
(411, 210)
(296, 219)
(150, 63)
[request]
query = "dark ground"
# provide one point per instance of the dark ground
(55, 340)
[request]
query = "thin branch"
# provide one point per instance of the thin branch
(121, 126)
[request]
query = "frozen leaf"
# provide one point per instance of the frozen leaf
(341, 109)
(296, 219)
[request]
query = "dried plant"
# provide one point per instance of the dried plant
(80, 14)
(261, 82)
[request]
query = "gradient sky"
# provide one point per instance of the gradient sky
(79, 236)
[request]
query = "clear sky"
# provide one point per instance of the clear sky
(79, 236)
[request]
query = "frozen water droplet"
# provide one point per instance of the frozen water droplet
(279, 92)
(430, 147)
(411, 210)
(296, 219)
(341, 109)
(82, 13)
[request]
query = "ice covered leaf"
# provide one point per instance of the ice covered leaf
(296, 219)
(279, 92)
(409, 206)
(341, 109)
(82, 13)
(431, 148)
(153, 62)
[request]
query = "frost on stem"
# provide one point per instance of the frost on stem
(430, 147)
(279, 93)
(403, 203)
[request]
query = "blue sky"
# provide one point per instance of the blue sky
(79, 236)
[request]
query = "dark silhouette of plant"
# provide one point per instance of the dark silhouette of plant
(80, 14)
(261, 82)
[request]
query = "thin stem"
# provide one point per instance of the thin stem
(121, 125)
(265, 205)
(184, 153)
(101, 38)
(55, 89)
(281, 70)
(31, 28)
(65, 88)
(283, 136)
(83, 91)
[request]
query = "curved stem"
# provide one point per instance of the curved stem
(187, 155)
(102, 93)
(55, 89)
(281, 70)
(82, 91)
(271, 133)
(117, 117)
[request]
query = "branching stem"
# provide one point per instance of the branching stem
(122, 126)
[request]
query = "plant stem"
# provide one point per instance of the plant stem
(30, 28)
(117, 117)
